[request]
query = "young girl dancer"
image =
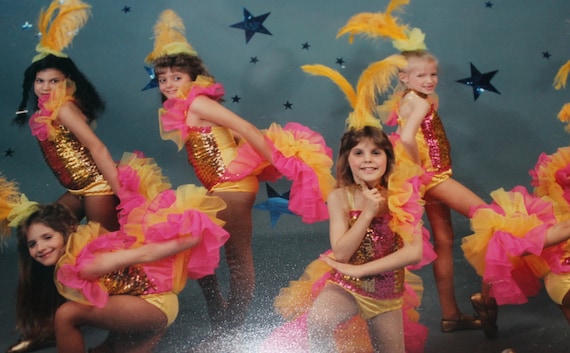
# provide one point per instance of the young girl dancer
(66, 104)
(126, 281)
(359, 305)
(423, 136)
(193, 117)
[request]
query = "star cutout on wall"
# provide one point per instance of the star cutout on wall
(276, 204)
(488, 4)
(306, 46)
(153, 83)
(546, 55)
(254, 60)
(9, 152)
(27, 25)
(252, 24)
(479, 82)
(236, 99)
(288, 105)
(126, 9)
(340, 62)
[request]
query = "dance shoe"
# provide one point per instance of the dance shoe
(29, 345)
(487, 313)
(465, 322)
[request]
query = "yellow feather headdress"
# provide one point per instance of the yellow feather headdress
(385, 25)
(375, 79)
(169, 37)
(559, 83)
(14, 207)
(58, 25)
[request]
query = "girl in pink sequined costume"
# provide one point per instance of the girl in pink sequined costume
(66, 104)
(423, 136)
(360, 297)
(127, 281)
(193, 117)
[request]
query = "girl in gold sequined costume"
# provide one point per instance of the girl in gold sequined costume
(125, 282)
(227, 154)
(65, 104)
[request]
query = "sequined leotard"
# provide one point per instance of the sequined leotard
(71, 163)
(433, 145)
(385, 289)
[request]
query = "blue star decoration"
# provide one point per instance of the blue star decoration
(254, 60)
(153, 83)
(340, 62)
(276, 204)
(252, 24)
(288, 105)
(126, 9)
(479, 82)
(9, 152)
(236, 99)
(488, 4)
(546, 55)
(306, 46)
(27, 25)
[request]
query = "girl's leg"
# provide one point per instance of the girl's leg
(566, 307)
(333, 306)
(239, 254)
(122, 313)
(456, 196)
(387, 332)
(73, 204)
(215, 302)
(102, 209)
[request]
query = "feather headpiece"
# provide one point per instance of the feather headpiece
(385, 25)
(559, 83)
(58, 25)
(169, 37)
(375, 79)
(14, 207)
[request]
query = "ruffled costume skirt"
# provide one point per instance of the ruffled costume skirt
(149, 211)
(507, 246)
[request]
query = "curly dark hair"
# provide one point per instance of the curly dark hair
(350, 139)
(37, 297)
(189, 64)
(86, 96)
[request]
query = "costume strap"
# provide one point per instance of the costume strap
(58, 25)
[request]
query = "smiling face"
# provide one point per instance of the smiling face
(367, 162)
(45, 245)
(420, 75)
(170, 80)
(46, 80)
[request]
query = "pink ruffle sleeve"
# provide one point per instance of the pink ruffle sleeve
(299, 154)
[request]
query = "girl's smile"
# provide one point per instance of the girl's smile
(46, 80)
(45, 245)
(170, 81)
(367, 162)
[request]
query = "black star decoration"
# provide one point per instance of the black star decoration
(236, 99)
(488, 4)
(306, 46)
(153, 83)
(254, 60)
(126, 9)
(9, 152)
(288, 105)
(252, 24)
(276, 204)
(479, 82)
(546, 55)
(340, 61)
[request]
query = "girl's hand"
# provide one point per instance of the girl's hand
(344, 268)
(372, 199)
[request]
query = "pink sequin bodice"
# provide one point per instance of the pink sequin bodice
(378, 242)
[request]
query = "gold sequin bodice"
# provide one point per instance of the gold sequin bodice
(70, 161)
(210, 149)
(131, 280)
